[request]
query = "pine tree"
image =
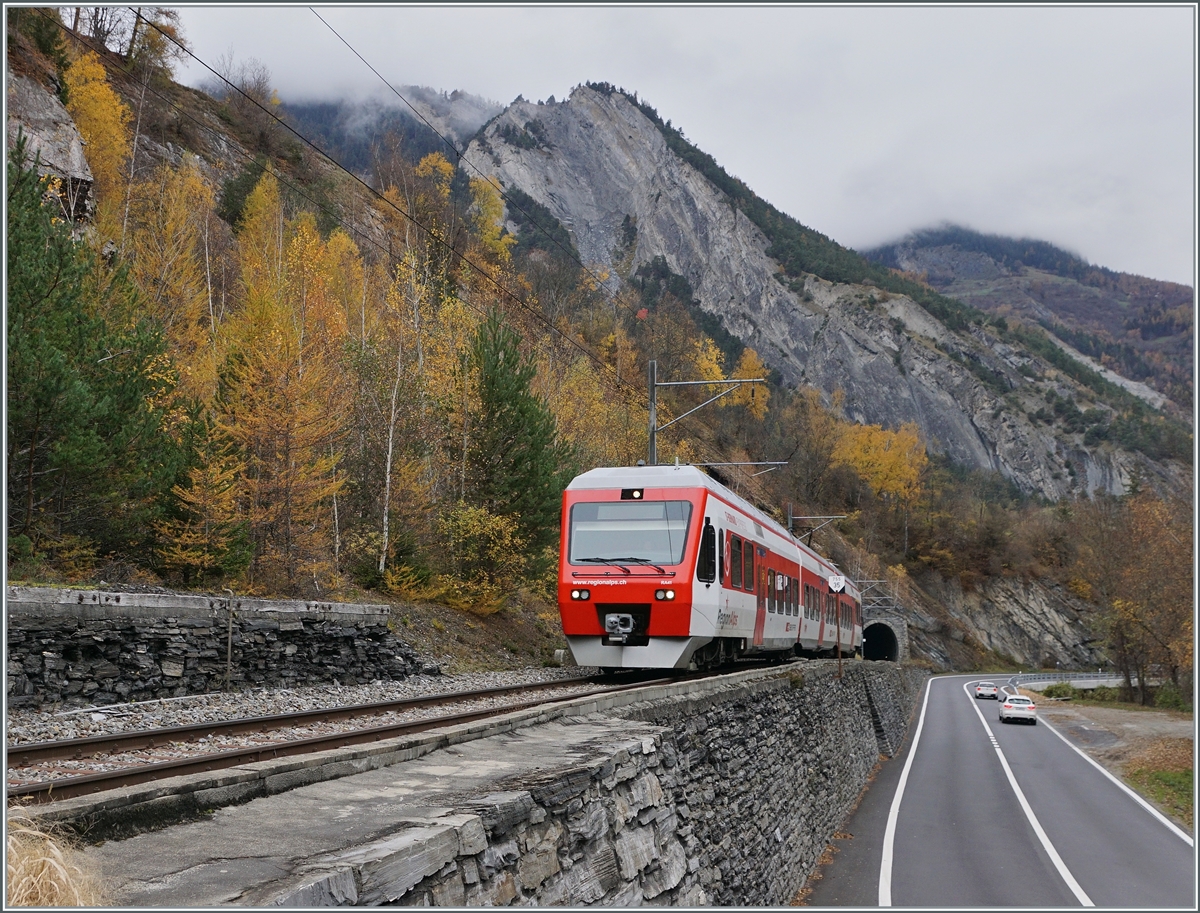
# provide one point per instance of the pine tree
(516, 465)
(87, 452)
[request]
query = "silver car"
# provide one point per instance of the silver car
(986, 689)
(1018, 707)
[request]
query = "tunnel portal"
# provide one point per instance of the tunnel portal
(879, 642)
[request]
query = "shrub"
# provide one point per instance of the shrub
(1062, 690)
(1170, 697)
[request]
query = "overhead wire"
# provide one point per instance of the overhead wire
(642, 397)
(460, 155)
(606, 372)
(432, 234)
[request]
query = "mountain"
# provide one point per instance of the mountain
(631, 192)
(1140, 328)
(351, 130)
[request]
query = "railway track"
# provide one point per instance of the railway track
(186, 738)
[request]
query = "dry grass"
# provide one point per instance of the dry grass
(45, 870)
(1163, 773)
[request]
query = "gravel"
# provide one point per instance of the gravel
(25, 725)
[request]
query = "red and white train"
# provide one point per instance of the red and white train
(664, 567)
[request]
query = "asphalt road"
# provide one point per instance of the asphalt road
(992, 814)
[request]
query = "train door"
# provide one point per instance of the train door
(760, 618)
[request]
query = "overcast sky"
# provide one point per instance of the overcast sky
(1074, 125)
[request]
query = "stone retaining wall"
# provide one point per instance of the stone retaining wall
(729, 798)
(90, 647)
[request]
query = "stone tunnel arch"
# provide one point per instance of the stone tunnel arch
(880, 642)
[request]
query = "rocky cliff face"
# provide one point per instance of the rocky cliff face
(1145, 326)
(52, 137)
(595, 160)
(1034, 622)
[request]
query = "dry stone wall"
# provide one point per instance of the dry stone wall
(90, 647)
(727, 798)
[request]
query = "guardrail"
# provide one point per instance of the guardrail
(1094, 677)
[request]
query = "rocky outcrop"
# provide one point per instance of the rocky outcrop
(53, 138)
(1035, 622)
(595, 161)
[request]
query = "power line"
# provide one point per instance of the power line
(430, 233)
(460, 155)
(605, 369)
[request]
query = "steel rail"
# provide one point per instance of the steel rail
(71, 787)
(28, 754)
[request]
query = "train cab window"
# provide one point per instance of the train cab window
(706, 561)
(771, 604)
(735, 561)
(748, 566)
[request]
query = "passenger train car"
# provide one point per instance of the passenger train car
(664, 567)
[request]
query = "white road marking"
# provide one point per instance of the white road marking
(1078, 891)
(1142, 802)
(889, 833)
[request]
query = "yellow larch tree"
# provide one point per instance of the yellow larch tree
(284, 400)
(891, 462)
(170, 216)
(207, 538)
(103, 122)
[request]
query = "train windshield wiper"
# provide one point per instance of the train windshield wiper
(619, 562)
(615, 562)
(646, 561)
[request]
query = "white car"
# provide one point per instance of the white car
(1018, 707)
(987, 689)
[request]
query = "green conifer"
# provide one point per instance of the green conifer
(516, 465)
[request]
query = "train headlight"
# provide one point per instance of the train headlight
(664, 594)
(580, 594)
(670, 594)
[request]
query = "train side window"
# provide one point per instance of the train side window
(735, 561)
(706, 562)
(721, 555)
(748, 566)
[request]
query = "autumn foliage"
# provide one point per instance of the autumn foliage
(265, 397)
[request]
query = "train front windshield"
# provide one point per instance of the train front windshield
(644, 532)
